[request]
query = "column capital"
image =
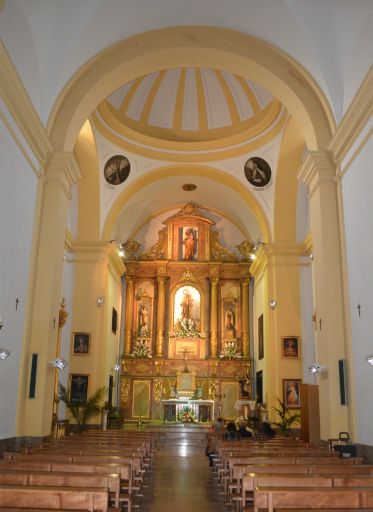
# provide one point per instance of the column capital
(214, 281)
(63, 169)
(317, 168)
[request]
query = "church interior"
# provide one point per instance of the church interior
(183, 208)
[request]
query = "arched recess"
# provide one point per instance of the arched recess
(208, 172)
(192, 46)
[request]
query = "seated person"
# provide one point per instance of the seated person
(231, 433)
(218, 426)
(245, 432)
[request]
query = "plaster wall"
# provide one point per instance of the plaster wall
(258, 309)
(17, 205)
(357, 187)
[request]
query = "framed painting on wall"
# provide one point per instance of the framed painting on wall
(78, 387)
(114, 321)
(290, 347)
(81, 343)
(260, 338)
(291, 391)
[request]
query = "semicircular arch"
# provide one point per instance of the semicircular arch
(192, 46)
(164, 172)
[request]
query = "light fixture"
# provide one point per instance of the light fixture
(316, 368)
(260, 242)
(272, 303)
(369, 360)
(311, 256)
(121, 251)
(4, 353)
(59, 363)
(253, 256)
(100, 301)
(116, 367)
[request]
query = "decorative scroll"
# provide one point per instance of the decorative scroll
(124, 389)
(157, 390)
(218, 251)
(213, 389)
(157, 251)
(131, 248)
(246, 249)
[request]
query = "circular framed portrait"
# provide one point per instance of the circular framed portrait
(257, 171)
(117, 169)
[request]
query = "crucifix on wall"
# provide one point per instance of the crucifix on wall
(185, 351)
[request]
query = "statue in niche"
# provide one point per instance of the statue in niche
(218, 251)
(143, 321)
(186, 305)
(190, 243)
(157, 251)
(229, 319)
(187, 312)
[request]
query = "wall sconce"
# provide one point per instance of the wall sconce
(121, 251)
(369, 360)
(116, 367)
(272, 303)
(58, 363)
(100, 301)
(316, 368)
(4, 353)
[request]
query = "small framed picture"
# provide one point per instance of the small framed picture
(81, 343)
(291, 389)
(290, 347)
(78, 388)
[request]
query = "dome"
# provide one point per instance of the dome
(186, 105)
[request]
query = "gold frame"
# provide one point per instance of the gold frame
(74, 336)
(290, 354)
(85, 375)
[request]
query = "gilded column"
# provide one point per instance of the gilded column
(130, 288)
(245, 317)
(161, 302)
(214, 317)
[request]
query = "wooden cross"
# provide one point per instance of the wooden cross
(314, 320)
(320, 323)
(17, 302)
(359, 308)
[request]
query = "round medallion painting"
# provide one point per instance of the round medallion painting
(117, 169)
(258, 172)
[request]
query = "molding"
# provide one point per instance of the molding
(356, 117)
(70, 241)
(317, 169)
(21, 108)
(63, 169)
(307, 244)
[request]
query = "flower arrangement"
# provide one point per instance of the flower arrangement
(186, 415)
(141, 349)
(230, 350)
(186, 328)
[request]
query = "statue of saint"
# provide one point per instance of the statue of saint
(143, 320)
(229, 319)
(190, 244)
(186, 305)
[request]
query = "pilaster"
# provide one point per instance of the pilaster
(318, 174)
(161, 308)
(214, 281)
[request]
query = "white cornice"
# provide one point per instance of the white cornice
(21, 108)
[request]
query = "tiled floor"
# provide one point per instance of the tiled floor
(181, 480)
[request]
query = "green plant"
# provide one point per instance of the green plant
(82, 410)
(287, 419)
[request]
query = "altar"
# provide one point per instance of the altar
(202, 410)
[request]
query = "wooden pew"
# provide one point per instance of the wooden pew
(44, 478)
(275, 498)
(71, 498)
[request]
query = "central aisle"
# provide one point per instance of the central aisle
(182, 480)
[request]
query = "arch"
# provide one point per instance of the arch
(192, 46)
(205, 171)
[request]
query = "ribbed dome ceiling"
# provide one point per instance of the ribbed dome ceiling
(191, 104)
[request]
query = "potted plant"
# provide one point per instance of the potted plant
(286, 418)
(82, 410)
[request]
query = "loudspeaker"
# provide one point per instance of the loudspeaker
(342, 381)
(34, 367)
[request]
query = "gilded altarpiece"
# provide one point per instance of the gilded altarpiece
(187, 314)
